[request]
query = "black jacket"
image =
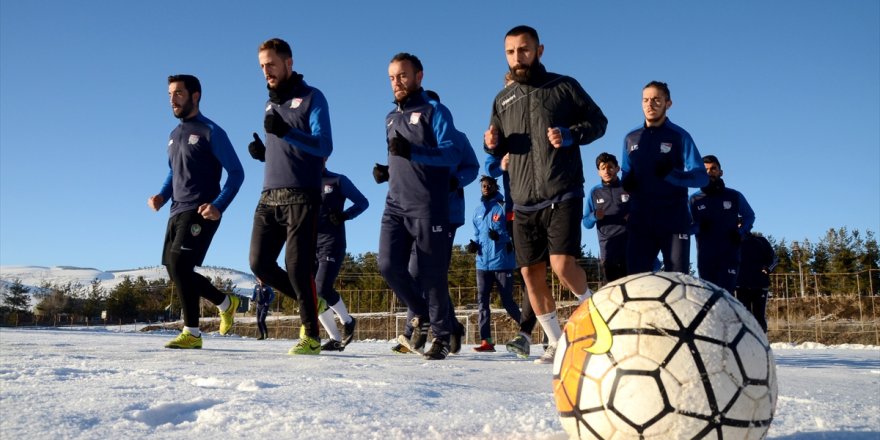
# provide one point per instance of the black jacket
(522, 113)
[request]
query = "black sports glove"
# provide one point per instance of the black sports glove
(380, 173)
(629, 183)
(472, 247)
(337, 218)
(399, 146)
(493, 234)
(509, 247)
(257, 149)
(274, 123)
(663, 168)
(453, 183)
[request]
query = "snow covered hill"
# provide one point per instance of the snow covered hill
(34, 276)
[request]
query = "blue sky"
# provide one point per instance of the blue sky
(785, 93)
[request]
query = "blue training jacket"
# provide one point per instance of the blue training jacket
(296, 160)
(419, 187)
(493, 254)
(335, 190)
(198, 151)
(263, 296)
(493, 169)
(465, 172)
(716, 216)
(660, 202)
(611, 230)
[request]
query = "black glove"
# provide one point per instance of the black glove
(453, 183)
(509, 247)
(663, 168)
(399, 146)
(380, 173)
(493, 234)
(629, 183)
(472, 247)
(257, 149)
(273, 123)
(337, 218)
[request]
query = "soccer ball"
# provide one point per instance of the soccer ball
(664, 356)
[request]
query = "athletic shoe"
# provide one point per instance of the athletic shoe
(400, 349)
(420, 335)
(228, 316)
(261, 337)
(439, 350)
(520, 346)
(547, 357)
(485, 347)
(457, 334)
(348, 331)
(185, 340)
(333, 345)
(307, 345)
(407, 344)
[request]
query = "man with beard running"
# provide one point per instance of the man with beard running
(722, 219)
(298, 139)
(422, 146)
(541, 120)
(198, 151)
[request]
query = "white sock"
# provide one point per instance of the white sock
(584, 296)
(329, 324)
(342, 311)
(194, 331)
(225, 304)
(551, 327)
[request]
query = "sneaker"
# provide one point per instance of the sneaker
(333, 345)
(348, 331)
(408, 344)
(307, 345)
(547, 357)
(228, 316)
(420, 335)
(439, 350)
(520, 346)
(261, 337)
(485, 347)
(185, 340)
(400, 349)
(457, 334)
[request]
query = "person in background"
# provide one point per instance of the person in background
(262, 297)
(608, 209)
(495, 259)
(753, 281)
(722, 217)
(198, 152)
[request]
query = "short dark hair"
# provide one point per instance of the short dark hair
(709, 158)
(404, 56)
(491, 179)
(661, 86)
(523, 29)
(190, 82)
(605, 158)
(279, 46)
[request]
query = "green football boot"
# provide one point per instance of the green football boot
(306, 345)
(227, 317)
(185, 340)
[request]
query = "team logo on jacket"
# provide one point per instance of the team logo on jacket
(600, 201)
(195, 230)
(701, 207)
(328, 189)
(633, 147)
(496, 218)
(193, 139)
(665, 147)
(296, 102)
(414, 118)
(728, 204)
(437, 228)
(624, 198)
(508, 100)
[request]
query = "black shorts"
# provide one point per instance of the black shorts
(554, 230)
(189, 232)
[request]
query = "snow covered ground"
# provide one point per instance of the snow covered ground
(116, 383)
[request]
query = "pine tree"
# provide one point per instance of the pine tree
(17, 296)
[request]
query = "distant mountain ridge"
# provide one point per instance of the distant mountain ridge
(34, 276)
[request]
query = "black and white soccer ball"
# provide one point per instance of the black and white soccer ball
(664, 356)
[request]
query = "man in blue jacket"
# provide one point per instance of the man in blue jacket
(262, 297)
(495, 259)
(335, 190)
(422, 146)
(722, 217)
(198, 152)
(608, 209)
(660, 161)
(298, 139)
